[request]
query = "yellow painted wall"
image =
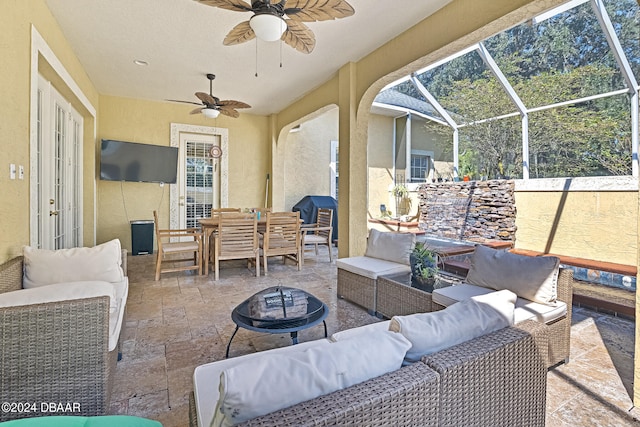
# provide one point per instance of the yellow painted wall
(380, 162)
(308, 157)
(423, 138)
(16, 18)
(149, 122)
(592, 225)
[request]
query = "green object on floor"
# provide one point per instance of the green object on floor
(69, 421)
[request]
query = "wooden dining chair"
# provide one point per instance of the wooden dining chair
(236, 238)
(167, 248)
(320, 233)
(281, 238)
(215, 211)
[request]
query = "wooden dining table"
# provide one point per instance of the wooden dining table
(209, 225)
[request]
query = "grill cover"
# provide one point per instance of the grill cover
(308, 207)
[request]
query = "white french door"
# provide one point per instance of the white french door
(199, 173)
(58, 177)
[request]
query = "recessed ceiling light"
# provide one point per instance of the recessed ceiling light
(140, 62)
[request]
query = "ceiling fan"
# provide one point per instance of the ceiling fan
(213, 106)
(273, 20)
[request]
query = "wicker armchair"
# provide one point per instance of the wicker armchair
(559, 340)
(55, 351)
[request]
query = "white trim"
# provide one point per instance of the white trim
(595, 183)
(40, 47)
(430, 167)
(223, 133)
(333, 171)
(556, 11)
(404, 111)
(422, 153)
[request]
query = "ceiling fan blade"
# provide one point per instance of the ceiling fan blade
(299, 36)
(235, 5)
(229, 112)
(233, 104)
(197, 110)
(318, 10)
(206, 98)
(239, 34)
(184, 102)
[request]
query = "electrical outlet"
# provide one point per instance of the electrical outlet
(12, 171)
(21, 172)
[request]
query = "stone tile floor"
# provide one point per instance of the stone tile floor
(183, 320)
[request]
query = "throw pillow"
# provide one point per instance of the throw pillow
(275, 381)
(460, 322)
(45, 267)
(532, 278)
(390, 246)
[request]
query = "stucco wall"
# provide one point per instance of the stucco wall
(380, 160)
(16, 19)
(150, 123)
(308, 157)
(597, 225)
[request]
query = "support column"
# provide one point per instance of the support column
(352, 186)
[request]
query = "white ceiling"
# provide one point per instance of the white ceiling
(182, 41)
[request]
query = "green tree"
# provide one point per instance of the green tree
(563, 58)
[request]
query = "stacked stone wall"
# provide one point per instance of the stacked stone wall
(469, 210)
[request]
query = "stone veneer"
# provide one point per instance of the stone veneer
(469, 210)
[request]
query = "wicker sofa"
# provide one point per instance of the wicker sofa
(545, 292)
(491, 270)
(497, 379)
(60, 348)
(387, 253)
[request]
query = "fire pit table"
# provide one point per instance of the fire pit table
(278, 310)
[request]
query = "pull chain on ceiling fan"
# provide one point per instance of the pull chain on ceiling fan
(283, 20)
(212, 106)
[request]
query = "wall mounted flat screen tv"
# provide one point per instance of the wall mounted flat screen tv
(131, 161)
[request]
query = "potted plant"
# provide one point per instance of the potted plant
(403, 202)
(424, 265)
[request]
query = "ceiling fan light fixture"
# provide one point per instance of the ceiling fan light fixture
(210, 113)
(268, 27)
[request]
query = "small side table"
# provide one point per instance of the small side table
(397, 296)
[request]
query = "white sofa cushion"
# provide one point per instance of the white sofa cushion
(371, 267)
(117, 294)
(45, 267)
(116, 317)
(468, 319)
(206, 378)
(60, 292)
(524, 309)
(390, 246)
(452, 294)
(532, 278)
(248, 390)
(366, 329)
(544, 313)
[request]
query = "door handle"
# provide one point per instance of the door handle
(53, 213)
